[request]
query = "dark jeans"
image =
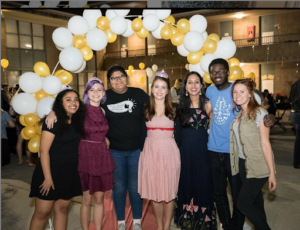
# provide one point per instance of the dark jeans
(295, 117)
(126, 178)
(250, 200)
(221, 171)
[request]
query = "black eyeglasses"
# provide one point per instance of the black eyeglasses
(221, 71)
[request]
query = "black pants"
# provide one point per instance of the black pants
(221, 171)
(250, 200)
(295, 117)
(5, 155)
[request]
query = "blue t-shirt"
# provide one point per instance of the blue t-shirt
(219, 136)
(4, 119)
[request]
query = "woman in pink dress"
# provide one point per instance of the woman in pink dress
(159, 164)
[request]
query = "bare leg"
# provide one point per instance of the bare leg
(158, 209)
(61, 211)
(19, 149)
(168, 213)
(85, 210)
(29, 154)
(41, 214)
(98, 209)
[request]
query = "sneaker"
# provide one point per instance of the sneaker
(137, 227)
(121, 227)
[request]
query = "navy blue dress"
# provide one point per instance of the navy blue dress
(195, 208)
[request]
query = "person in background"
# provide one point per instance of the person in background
(4, 98)
(6, 121)
(175, 90)
(271, 105)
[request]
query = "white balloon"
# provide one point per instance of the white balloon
(25, 6)
(129, 31)
(118, 25)
(198, 23)
(205, 35)
(154, 67)
(96, 40)
(35, 4)
(146, 12)
(163, 14)
(226, 49)
(44, 106)
(182, 50)
(193, 41)
(206, 60)
(78, 25)
(187, 67)
(52, 85)
(151, 22)
(91, 16)
(156, 33)
(122, 13)
(71, 58)
(150, 73)
(196, 68)
(77, 4)
(62, 37)
(30, 82)
(81, 68)
(110, 14)
(105, 6)
(59, 48)
(148, 69)
(52, 4)
(24, 103)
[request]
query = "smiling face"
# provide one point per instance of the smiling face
(118, 82)
(219, 75)
(70, 103)
(159, 89)
(241, 95)
(95, 94)
(193, 85)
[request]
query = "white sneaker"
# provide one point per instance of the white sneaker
(121, 227)
(137, 227)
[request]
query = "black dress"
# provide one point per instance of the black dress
(195, 209)
(63, 165)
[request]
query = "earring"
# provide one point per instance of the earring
(200, 93)
(186, 93)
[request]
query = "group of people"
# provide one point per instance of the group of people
(178, 156)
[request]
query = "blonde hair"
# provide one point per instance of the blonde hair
(177, 82)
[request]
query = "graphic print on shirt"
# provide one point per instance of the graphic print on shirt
(123, 106)
(221, 111)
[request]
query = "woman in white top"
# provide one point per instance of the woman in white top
(175, 90)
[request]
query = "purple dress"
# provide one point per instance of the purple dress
(95, 164)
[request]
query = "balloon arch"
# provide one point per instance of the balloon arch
(92, 31)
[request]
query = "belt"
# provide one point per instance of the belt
(93, 141)
(169, 129)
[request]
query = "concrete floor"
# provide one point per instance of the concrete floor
(282, 206)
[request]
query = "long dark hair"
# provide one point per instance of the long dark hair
(149, 111)
(183, 111)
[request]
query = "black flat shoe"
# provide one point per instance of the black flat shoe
(297, 166)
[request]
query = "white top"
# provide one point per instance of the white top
(175, 96)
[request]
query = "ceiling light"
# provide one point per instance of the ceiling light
(28, 45)
(239, 15)
(132, 4)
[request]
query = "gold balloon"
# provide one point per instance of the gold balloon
(177, 39)
(206, 78)
(86, 6)
(142, 65)
(40, 95)
(34, 144)
(183, 25)
(195, 57)
(22, 120)
(252, 76)
(41, 69)
(130, 72)
(4, 63)
(79, 41)
(87, 53)
(174, 30)
(143, 33)
(130, 67)
(29, 131)
(38, 128)
(58, 72)
(111, 36)
(102, 23)
(142, 80)
(210, 46)
(235, 73)
(166, 32)
(31, 119)
(49, 95)
(41, 6)
(169, 20)
(137, 25)
(234, 62)
(65, 77)
(214, 37)
(23, 135)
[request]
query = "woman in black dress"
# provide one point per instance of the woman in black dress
(56, 179)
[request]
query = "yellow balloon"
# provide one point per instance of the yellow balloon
(49, 95)
(40, 95)
(142, 65)
(252, 76)
(29, 131)
(79, 41)
(87, 53)
(41, 69)
(22, 120)
(137, 25)
(214, 36)
(34, 144)
(235, 73)
(58, 72)
(234, 62)
(166, 32)
(183, 25)
(195, 57)
(177, 39)
(206, 78)
(111, 36)
(169, 20)
(4, 63)
(243, 75)
(65, 77)
(174, 30)
(130, 67)
(143, 33)
(142, 80)
(38, 128)
(102, 23)
(130, 72)
(210, 46)
(23, 135)
(86, 6)
(41, 6)
(31, 119)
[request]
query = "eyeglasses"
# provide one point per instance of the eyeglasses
(221, 71)
(115, 78)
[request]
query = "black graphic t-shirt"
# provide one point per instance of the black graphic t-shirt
(124, 115)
